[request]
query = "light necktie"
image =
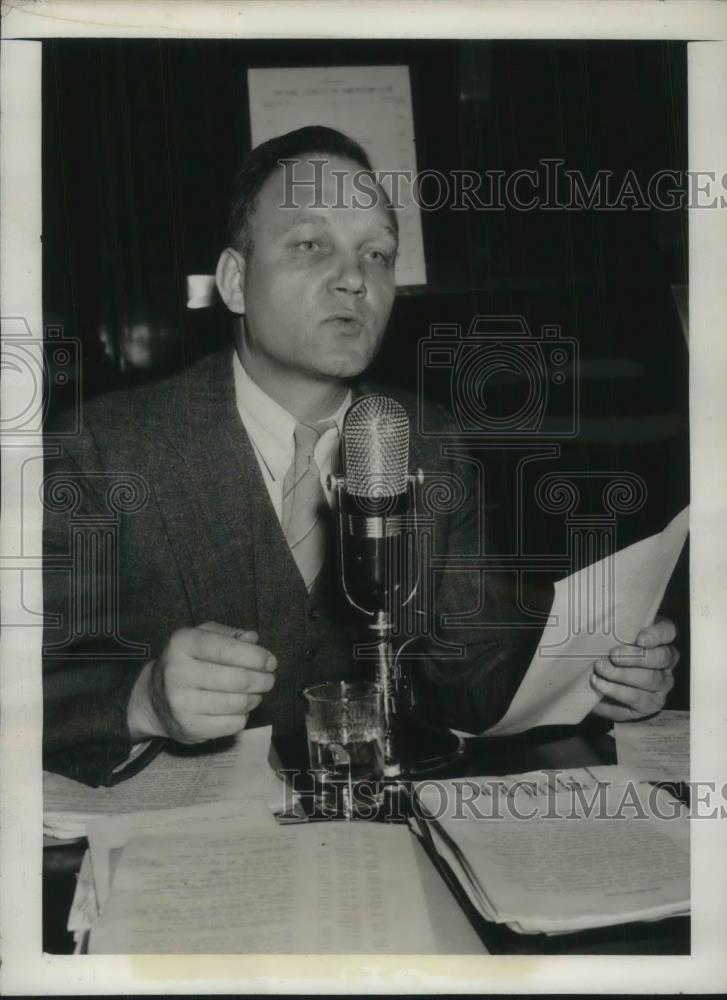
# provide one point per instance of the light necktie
(304, 503)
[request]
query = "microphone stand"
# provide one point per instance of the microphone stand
(388, 672)
(388, 677)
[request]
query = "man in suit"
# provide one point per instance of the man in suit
(227, 604)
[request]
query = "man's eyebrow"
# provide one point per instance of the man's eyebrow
(304, 215)
(391, 231)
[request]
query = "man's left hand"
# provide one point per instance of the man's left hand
(635, 680)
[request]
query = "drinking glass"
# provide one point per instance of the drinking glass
(345, 727)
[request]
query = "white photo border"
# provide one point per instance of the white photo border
(25, 969)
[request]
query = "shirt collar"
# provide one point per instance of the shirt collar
(269, 425)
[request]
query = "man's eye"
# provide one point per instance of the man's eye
(381, 257)
(318, 247)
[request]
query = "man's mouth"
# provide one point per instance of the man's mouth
(351, 321)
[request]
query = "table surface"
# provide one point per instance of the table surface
(457, 928)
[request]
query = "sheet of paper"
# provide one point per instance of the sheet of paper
(563, 889)
(659, 745)
(371, 104)
(242, 888)
(170, 781)
(569, 865)
(107, 835)
(84, 910)
(602, 606)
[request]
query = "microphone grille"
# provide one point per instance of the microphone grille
(376, 447)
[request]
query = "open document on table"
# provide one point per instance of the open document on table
(241, 884)
(556, 853)
(601, 606)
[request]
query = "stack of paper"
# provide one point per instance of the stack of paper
(227, 879)
(170, 781)
(222, 876)
(553, 852)
(659, 745)
(109, 835)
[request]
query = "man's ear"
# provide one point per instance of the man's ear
(230, 278)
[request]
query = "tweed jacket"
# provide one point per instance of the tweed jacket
(157, 517)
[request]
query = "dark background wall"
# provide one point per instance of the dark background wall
(141, 139)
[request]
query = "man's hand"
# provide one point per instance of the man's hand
(203, 686)
(635, 680)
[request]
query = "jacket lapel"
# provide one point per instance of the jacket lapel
(213, 500)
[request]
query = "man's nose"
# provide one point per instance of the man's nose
(348, 275)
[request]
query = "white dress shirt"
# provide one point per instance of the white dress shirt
(270, 428)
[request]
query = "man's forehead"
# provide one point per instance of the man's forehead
(318, 181)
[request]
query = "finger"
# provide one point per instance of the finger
(661, 633)
(213, 647)
(217, 702)
(617, 713)
(199, 676)
(638, 677)
(214, 727)
(644, 702)
(249, 635)
(658, 658)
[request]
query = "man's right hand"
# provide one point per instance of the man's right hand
(203, 686)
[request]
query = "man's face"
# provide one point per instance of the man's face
(318, 281)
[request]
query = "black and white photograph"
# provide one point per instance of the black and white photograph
(363, 503)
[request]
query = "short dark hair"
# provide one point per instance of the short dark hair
(262, 161)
